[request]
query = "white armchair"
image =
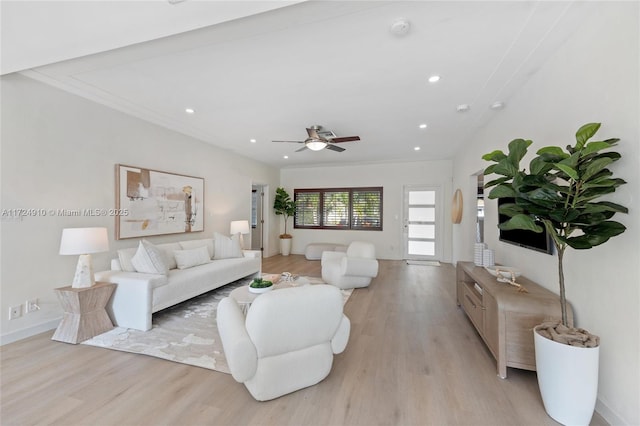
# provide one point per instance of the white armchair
(354, 268)
(287, 340)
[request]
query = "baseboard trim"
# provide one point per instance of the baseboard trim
(608, 414)
(14, 336)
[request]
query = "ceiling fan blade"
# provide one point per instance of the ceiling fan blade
(335, 148)
(345, 139)
(289, 141)
(302, 149)
(313, 133)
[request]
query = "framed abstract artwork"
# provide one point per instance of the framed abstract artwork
(152, 202)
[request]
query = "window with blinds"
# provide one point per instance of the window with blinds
(339, 208)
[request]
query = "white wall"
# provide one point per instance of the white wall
(392, 177)
(594, 77)
(59, 152)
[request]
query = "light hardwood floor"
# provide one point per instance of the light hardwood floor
(413, 358)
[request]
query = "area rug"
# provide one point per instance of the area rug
(186, 333)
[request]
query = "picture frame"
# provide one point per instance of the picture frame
(152, 202)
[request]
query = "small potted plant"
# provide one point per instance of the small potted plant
(259, 285)
(559, 193)
(285, 206)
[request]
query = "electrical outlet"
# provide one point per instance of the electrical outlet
(15, 312)
(31, 306)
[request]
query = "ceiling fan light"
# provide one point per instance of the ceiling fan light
(315, 144)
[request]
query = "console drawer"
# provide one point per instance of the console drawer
(473, 307)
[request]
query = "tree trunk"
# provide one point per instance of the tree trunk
(563, 299)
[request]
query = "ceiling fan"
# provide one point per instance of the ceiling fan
(320, 139)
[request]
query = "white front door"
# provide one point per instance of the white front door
(422, 223)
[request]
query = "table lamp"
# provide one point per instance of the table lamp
(239, 226)
(83, 242)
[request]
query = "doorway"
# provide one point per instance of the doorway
(257, 217)
(422, 218)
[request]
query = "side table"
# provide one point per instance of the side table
(84, 312)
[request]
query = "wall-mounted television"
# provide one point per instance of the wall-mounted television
(528, 239)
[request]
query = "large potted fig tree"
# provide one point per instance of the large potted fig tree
(562, 192)
(286, 207)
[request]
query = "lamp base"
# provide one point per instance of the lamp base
(84, 273)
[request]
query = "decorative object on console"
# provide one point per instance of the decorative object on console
(487, 257)
(559, 193)
(151, 202)
(478, 252)
(286, 207)
(239, 227)
(83, 242)
(456, 207)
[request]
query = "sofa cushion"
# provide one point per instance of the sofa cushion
(149, 259)
(124, 256)
(226, 247)
(190, 258)
(167, 250)
(192, 244)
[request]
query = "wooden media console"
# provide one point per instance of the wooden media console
(505, 317)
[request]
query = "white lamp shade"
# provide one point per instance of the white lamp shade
(84, 240)
(239, 226)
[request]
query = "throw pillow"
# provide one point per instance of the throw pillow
(149, 259)
(125, 256)
(194, 257)
(226, 247)
(192, 244)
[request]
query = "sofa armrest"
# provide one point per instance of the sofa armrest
(341, 338)
(131, 304)
(331, 255)
(239, 350)
(359, 267)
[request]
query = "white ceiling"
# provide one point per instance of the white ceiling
(265, 70)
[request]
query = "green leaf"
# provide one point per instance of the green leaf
(572, 173)
(502, 191)
(496, 182)
(539, 166)
(506, 168)
(596, 235)
(595, 166)
(517, 151)
(593, 147)
(510, 209)
(602, 206)
(521, 221)
(585, 133)
(552, 150)
(496, 155)
(489, 170)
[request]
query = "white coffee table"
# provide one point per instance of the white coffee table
(245, 298)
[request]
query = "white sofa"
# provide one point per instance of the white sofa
(287, 341)
(138, 295)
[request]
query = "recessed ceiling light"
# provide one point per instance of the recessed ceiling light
(252, 140)
(423, 126)
(189, 110)
(434, 78)
(497, 105)
(463, 108)
(400, 27)
(417, 148)
(285, 157)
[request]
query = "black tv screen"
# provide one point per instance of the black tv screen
(523, 238)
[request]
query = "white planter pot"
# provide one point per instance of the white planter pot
(285, 246)
(568, 380)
